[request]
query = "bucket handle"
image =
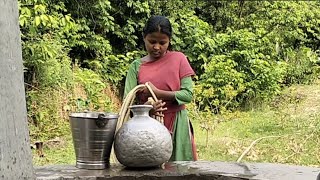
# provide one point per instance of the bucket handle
(101, 121)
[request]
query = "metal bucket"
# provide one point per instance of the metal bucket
(93, 134)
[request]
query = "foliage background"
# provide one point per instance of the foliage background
(76, 53)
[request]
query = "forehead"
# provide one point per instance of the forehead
(157, 35)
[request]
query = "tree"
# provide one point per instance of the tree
(15, 152)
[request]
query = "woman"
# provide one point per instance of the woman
(169, 75)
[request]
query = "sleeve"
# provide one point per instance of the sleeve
(185, 69)
(132, 77)
(185, 94)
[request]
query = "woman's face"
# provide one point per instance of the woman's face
(156, 44)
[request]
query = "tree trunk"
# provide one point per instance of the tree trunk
(15, 152)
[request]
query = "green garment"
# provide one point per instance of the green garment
(182, 146)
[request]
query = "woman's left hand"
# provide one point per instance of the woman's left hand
(158, 107)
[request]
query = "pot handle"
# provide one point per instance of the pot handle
(101, 121)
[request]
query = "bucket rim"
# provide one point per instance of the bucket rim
(93, 115)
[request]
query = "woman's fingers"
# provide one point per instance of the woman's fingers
(158, 106)
(160, 109)
(159, 114)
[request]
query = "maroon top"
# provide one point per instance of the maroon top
(166, 74)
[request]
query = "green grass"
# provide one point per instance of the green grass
(294, 125)
(59, 153)
(297, 142)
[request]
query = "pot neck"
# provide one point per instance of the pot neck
(141, 110)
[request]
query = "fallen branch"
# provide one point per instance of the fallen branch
(252, 144)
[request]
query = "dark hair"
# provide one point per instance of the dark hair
(158, 24)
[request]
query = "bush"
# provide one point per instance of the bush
(301, 66)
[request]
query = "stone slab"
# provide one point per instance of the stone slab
(201, 170)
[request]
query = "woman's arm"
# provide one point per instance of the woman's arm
(131, 78)
(161, 94)
(183, 96)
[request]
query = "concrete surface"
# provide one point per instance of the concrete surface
(201, 170)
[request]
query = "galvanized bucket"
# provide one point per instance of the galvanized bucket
(93, 134)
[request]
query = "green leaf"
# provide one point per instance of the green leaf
(37, 20)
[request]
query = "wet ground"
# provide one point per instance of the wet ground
(200, 170)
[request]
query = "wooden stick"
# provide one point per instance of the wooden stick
(251, 145)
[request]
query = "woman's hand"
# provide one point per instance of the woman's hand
(158, 107)
(160, 94)
(146, 91)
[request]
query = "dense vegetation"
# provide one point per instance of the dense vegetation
(76, 53)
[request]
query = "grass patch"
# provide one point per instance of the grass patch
(294, 121)
(61, 152)
(297, 142)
